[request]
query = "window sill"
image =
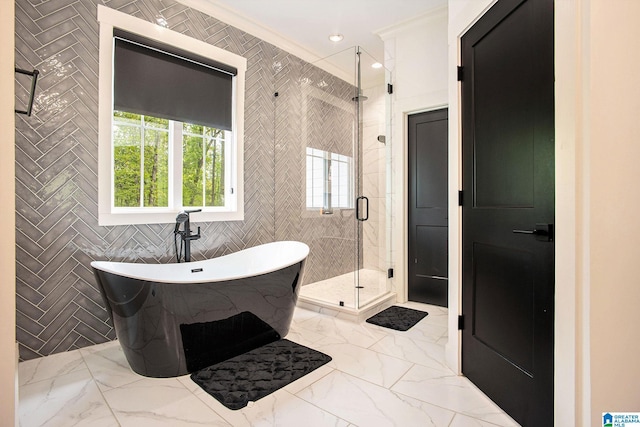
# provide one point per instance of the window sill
(337, 213)
(164, 217)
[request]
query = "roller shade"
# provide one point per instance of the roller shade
(162, 81)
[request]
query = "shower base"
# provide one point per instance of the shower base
(338, 294)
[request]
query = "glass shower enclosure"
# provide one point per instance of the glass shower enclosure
(337, 183)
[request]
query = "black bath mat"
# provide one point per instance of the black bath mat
(258, 373)
(398, 318)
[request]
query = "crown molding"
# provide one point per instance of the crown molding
(440, 12)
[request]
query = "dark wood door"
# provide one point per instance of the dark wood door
(508, 208)
(428, 241)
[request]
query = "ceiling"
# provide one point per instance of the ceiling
(308, 23)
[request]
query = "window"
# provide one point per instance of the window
(329, 182)
(171, 125)
(203, 166)
(142, 163)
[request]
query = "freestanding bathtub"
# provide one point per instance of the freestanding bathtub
(172, 319)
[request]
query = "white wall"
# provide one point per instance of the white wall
(416, 54)
(8, 386)
(612, 121)
(597, 149)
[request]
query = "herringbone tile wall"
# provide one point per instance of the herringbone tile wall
(317, 112)
(57, 235)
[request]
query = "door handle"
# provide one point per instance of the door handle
(358, 217)
(542, 232)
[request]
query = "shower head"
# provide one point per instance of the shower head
(181, 219)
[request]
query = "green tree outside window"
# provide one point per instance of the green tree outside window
(141, 171)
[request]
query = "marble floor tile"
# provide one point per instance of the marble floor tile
(366, 364)
(337, 331)
(378, 377)
(464, 421)
(427, 330)
(452, 392)
(45, 368)
(159, 402)
(188, 383)
(301, 314)
(67, 400)
(439, 316)
(280, 408)
(412, 350)
(365, 404)
(308, 379)
(108, 365)
(306, 337)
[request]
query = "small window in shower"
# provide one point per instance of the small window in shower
(329, 181)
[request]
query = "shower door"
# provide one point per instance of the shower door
(372, 176)
(329, 197)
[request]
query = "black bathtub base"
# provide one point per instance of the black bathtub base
(169, 329)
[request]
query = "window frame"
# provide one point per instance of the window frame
(107, 213)
(327, 174)
(175, 141)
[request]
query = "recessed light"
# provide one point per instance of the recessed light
(376, 65)
(336, 38)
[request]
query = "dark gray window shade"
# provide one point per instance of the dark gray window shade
(158, 80)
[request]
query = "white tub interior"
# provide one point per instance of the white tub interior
(249, 262)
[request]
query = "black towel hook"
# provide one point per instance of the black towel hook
(34, 79)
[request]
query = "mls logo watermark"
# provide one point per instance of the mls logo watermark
(620, 419)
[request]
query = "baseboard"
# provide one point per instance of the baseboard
(16, 418)
(347, 313)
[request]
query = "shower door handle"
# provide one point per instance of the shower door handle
(358, 217)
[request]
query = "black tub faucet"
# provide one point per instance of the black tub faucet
(183, 219)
